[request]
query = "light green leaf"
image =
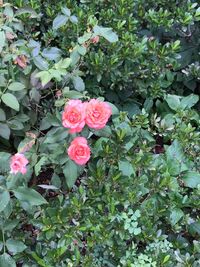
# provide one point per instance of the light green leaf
(16, 86)
(4, 131)
(59, 21)
(41, 63)
(4, 200)
(10, 101)
(189, 101)
(70, 171)
(29, 195)
(173, 101)
(126, 168)
(15, 246)
(78, 83)
(175, 215)
(45, 77)
(107, 33)
(7, 261)
(191, 179)
(39, 165)
(66, 11)
(84, 38)
(26, 10)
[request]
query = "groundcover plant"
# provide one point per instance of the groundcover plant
(99, 133)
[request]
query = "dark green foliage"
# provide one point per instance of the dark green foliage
(136, 202)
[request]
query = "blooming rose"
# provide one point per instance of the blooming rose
(79, 150)
(73, 116)
(97, 114)
(18, 163)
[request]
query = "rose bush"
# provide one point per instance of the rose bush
(99, 133)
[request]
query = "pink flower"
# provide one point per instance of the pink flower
(18, 163)
(79, 151)
(95, 39)
(73, 116)
(97, 114)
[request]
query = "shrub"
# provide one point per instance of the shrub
(63, 72)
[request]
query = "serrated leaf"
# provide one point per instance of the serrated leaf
(29, 195)
(59, 21)
(4, 200)
(10, 101)
(70, 171)
(39, 165)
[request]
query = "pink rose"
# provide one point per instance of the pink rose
(18, 163)
(95, 39)
(79, 151)
(97, 114)
(73, 116)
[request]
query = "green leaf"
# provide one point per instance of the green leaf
(126, 168)
(194, 228)
(26, 10)
(10, 101)
(52, 53)
(175, 215)
(59, 21)
(2, 115)
(15, 246)
(4, 131)
(29, 195)
(45, 77)
(70, 171)
(39, 165)
(15, 125)
(4, 162)
(63, 63)
(189, 101)
(107, 33)
(2, 40)
(84, 38)
(115, 110)
(16, 86)
(41, 63)
(176, 161)
(4, 200)
(191, 179)
(78, 83)
(173, 101)
(66, 11)
(7, 261)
